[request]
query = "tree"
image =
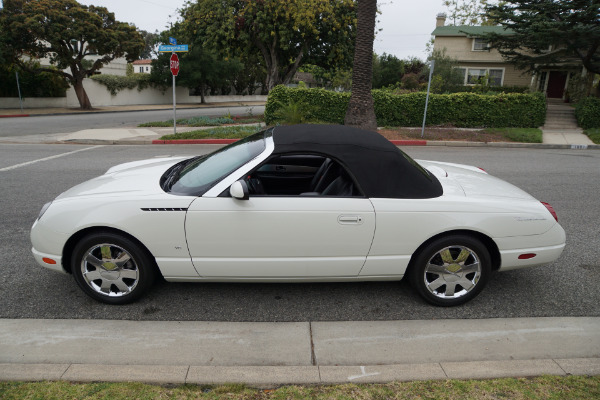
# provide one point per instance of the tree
(360, 111)
(65, 32)
(467, 12)
(200, 68)
(387, 70)
(548, 32)
(151, 39)
(285, 33)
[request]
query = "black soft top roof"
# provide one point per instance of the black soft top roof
(380, 168)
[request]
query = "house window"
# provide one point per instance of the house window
(481, 76)
(146, 69)
(495, 77)
(141, 69)
(476, 76)
(480, 44)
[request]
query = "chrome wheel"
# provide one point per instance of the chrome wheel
(110, 270)
(452, 272)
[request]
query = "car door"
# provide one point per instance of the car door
(279, 237)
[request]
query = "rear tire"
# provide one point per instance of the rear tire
(112, 268)
(451, 270)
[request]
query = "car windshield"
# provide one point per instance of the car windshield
(195, 176)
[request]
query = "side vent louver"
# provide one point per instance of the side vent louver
(164, 209)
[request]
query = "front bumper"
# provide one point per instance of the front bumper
(50, 261)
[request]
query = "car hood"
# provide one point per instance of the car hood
(473, 181)
(132, 178)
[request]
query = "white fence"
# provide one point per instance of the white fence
(101, 97)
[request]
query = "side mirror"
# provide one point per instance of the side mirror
(239, 190)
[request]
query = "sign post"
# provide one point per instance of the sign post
(173, 48)
(174, 65)
(427, 97)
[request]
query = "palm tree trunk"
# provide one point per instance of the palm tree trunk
(360, 112)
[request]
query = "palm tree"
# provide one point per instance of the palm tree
(360, 112)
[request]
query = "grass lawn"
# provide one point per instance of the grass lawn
(547, 387)
(226, 132)
(206, 121)
(594, 134)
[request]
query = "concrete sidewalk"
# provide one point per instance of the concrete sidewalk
(30, 112)
(266, 354)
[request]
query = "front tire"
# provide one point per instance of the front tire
(111, 268)
(451, 270)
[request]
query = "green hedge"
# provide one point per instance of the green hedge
(116, 83)
(587, 112)
(44, 84)
(458, 109)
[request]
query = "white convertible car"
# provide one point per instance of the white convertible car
(290, 204)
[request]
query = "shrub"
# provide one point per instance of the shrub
(587, 112)
(410, 81)
(44, 84)
(460, 109)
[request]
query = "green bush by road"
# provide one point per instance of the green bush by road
(587, 112)
(468, 110)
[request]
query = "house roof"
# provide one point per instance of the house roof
(467, 30)
(142, 62)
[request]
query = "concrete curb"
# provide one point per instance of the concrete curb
(270, 376)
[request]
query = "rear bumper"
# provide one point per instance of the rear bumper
(547, 248)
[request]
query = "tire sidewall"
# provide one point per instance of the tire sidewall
(417, 270)
(140, 256)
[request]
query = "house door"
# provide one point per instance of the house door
(556, 84)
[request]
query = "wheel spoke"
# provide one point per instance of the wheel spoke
(106, 253)
(129, 274)
(93, 260)
(467, 269)
(122, 286)
(92, 275)
(105, 286)
(436, 269)
(436, 283)
(122, 259)
(450, 289)
(462, 257)
(466, 284)
(446, 256)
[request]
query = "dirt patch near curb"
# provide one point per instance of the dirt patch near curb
(442, 134)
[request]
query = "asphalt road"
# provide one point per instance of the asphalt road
(567, 179)
(67, 123)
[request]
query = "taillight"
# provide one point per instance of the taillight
(549, 207)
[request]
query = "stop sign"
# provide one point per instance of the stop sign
(174, 65)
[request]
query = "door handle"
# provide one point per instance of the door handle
(350, 219)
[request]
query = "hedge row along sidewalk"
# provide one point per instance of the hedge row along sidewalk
(465, 110)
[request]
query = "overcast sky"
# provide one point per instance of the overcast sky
(406, 25)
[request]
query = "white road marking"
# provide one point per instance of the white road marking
(363, 375)
(48, 158)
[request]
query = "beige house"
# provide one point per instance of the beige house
(142, 66)
(479, 63)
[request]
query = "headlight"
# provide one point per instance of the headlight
(43, 210)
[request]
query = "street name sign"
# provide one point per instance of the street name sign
(181, 48)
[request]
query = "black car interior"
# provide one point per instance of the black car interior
(301, 175)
